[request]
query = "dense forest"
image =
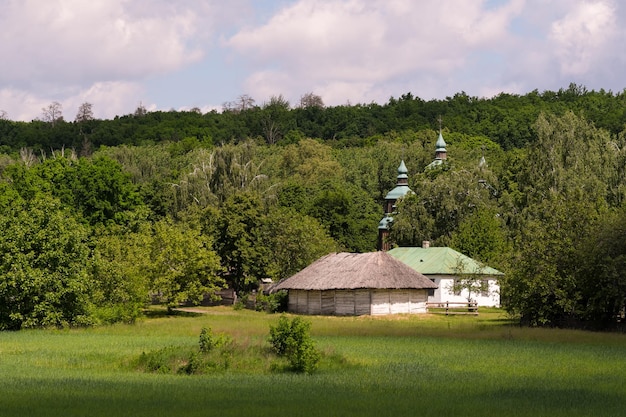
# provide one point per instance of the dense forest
(99, 217)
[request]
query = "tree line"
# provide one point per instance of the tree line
(92, 237)
(506, 119)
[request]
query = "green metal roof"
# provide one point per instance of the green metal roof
(435, 164)
(402, 187)
(398, 192)
(441, 261)
(440, 144)
(402, 170)
(384, 223)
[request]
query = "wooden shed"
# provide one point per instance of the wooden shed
(357, 284)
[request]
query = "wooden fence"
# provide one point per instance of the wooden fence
(450, 307)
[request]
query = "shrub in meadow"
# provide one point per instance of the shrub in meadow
(291, 339)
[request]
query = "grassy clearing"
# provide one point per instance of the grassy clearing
(426, 365)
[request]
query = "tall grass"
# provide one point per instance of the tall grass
(428, 366)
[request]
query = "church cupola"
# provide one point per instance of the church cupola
(440, 152)
(400, 190)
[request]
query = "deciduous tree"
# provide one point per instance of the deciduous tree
(53, 113)
(85, 113)
(183, 265)
(44, 269)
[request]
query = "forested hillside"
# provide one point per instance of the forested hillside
(100, 216)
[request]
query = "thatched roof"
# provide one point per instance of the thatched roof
(344, 271)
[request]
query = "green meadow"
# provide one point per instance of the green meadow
(427, 365)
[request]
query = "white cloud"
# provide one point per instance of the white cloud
(583, 36)
(348, 49)
(61, 48)
(109, 99)
(116, 53)
(58, 41)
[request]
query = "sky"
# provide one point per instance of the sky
(184, 54)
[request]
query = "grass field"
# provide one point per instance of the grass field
(421, 365)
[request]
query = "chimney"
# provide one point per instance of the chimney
(425, 244)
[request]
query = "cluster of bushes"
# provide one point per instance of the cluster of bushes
(291, 349)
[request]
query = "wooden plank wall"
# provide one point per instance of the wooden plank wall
(328, 302)
(399, 301)
(303, 302)
(344, 302)
(418, 301)
(293, 301)
(380, 302)
(362, 302)
(358, 302)
(315, 302)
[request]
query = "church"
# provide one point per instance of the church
(398, 280)
(442, 265)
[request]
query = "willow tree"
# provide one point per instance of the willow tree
(564, 186)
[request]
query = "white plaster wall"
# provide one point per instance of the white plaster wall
(444, 293)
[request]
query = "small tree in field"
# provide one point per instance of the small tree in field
(291, 339)
(474, 284)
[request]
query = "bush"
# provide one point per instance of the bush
(208, 341)
(291, 339)
(213, 355)
(272, 303)
(162, 361)
(241, 302)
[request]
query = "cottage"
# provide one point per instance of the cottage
(447, 267)
(373, 283)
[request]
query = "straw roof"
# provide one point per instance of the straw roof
(348, 271)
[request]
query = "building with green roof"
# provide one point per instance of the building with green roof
(446, 267)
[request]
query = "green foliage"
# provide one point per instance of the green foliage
(161, 361)
(482, 236)
(44, 268)
(602, 277)
(349, 215)
(120, 260)
(206, 341)
(286, 186)
(294, 239)
(272, 303)
(565, 184)
(291, 339)
(152, 169)
(238, 241)
(209, 341)
(439, 206)
(98, 190)
(309, 162)
(183, 266)
(214, 354)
